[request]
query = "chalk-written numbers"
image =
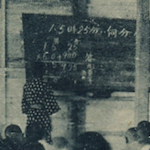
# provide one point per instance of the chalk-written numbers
(90, 29)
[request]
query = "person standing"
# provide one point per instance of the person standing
(38, 101)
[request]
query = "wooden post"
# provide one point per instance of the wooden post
(3, 33)
(77, 107)
(142, 62)
(3, 46)
(79, 8)
(76, 118)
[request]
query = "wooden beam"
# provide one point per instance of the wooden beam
(77, 108)
(79, 8)
(3, 101)
(76, 118)
(3, 38)
(142, 62)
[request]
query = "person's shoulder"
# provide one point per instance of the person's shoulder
(33, 81)
(30, 145)
(6, 143)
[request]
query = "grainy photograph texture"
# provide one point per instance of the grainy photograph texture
(74, 75)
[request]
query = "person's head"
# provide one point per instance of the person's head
(33, 146)
(91, 141)
(14, 133)
(143, 131)
(34, 132)
(131, 135)
(38, 69)
(60, 143)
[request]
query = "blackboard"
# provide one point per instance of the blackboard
(81, 54)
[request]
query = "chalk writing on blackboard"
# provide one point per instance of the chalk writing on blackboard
(90, 50)
(109, 32)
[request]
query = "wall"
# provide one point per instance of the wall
(15, 56)
(112, 116)
(113, 8)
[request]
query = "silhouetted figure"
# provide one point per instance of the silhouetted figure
(38, 101)
(91, 141)
(14, 137)
(34, 133)
(33, 146)
(131, 135)
(143, 134)
(131, 139)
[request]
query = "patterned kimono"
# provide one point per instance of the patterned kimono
(40, 93)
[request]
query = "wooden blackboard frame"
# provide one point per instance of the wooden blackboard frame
(109, 45)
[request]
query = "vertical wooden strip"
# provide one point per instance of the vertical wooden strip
(79, 8)
(77, 108)
(76, 118)
(3, 66)
(3, 32)
(142, 62)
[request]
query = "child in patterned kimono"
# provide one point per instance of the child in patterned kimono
(38, 101)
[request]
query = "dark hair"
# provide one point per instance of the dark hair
(91, 141)
(33, 146)
(133, 131)
(34, 132)
(12, 128)
(38, 69)
(144, 126)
